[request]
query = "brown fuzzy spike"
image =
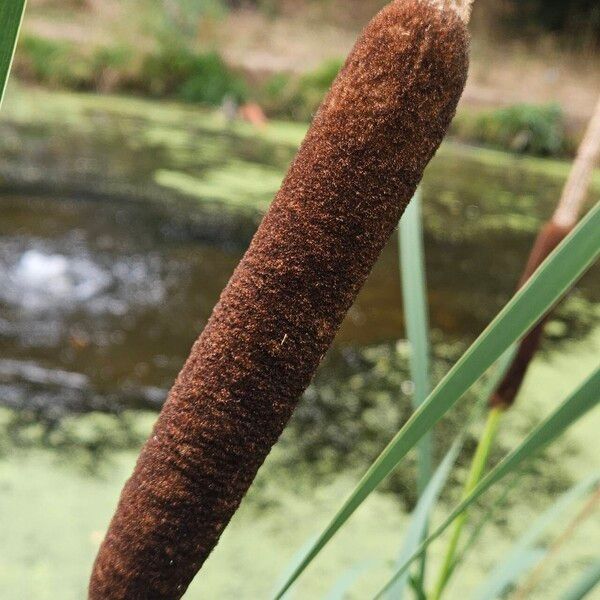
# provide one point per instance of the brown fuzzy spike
(563, 221)
(357, 169)
(550, 236)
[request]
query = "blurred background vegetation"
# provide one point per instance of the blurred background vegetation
(284, 55)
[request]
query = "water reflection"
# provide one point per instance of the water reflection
(101, 301)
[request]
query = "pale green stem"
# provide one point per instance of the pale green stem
(414, 294)
(475, 473)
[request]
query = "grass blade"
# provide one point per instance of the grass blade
(414, 299)
(414, 295)
(475, 472)
(478, 465)
(496, 376)
(510, 569)
(568, 412)
(418, 523)
(560, 270)
(484, 520)
(583, 586)
(348, 579)
(11, 15)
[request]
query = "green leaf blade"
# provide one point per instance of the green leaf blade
(11, 15)
(583, 400)
(414, 296)
(585, 584)
(548, 284)
(418, 523)
(508, 571)
(415, 306)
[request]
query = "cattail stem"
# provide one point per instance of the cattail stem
(576, 188)
(475, 473)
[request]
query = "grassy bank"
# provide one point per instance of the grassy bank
(198, 77)
(163, 149)
(284, 56)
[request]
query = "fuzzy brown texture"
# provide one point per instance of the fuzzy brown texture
(355, 172)
(550, 236)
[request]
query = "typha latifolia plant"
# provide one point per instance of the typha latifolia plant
(526, 550)
(354, 175)
(551, 234)
(357, 169)
(563, 220)
(548, 284)
(557, 270)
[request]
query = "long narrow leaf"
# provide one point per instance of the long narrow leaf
(418, 522)
(568, 412)
(583, 586)
(11, 15)
(414, 296)
(560, 270)
(348, 579)
(420, 516)
(478, 465)
(484, 520)
(510, 569)
(491, 383)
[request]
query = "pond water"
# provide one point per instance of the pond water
(134, 219)
(100, 301)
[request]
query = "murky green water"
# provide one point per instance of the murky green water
(128, 225)
(120, 223)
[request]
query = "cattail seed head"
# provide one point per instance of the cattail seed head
(550, 236)
(358, 167)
